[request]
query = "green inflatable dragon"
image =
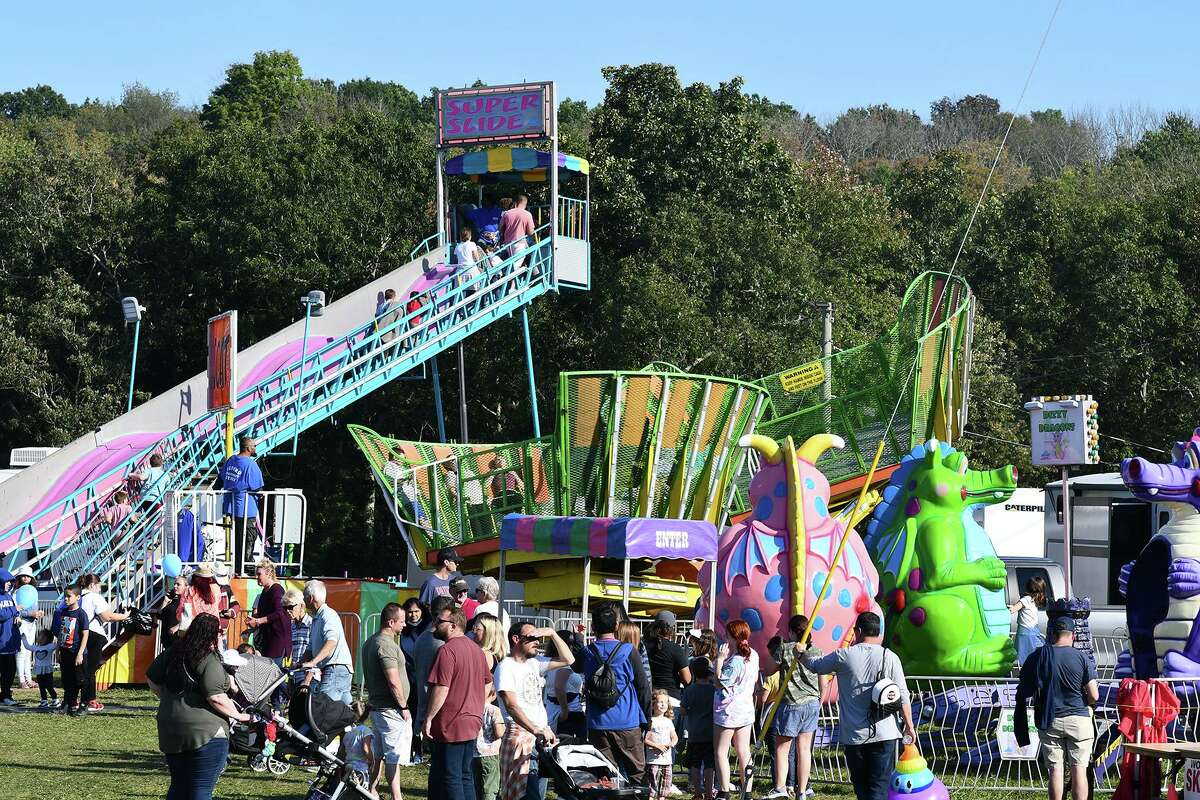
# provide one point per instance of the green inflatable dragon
(942, 586)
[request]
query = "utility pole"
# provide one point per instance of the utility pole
(826, 363)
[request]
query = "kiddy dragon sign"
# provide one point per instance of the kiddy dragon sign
(1063, 430)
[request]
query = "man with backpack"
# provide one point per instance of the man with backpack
(617, 695)
(871, 692)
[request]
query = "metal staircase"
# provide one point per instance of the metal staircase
(71, 537)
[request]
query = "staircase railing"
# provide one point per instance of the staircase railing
(276, 408)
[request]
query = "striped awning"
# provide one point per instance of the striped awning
(610, 537)
(512, 165)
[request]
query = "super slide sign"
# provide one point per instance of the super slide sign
(222, 361)
(493, 114)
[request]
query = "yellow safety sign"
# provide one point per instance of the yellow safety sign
(802, 377)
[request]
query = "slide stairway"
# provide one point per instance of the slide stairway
(69, 536)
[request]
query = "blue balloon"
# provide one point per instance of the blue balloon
(27, 597)
(172, 566)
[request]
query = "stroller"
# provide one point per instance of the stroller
(306, 735)
(581, 772)
(257, 679)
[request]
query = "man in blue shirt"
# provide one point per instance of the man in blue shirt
(240, 476)
(616, 731)
(1062, 682)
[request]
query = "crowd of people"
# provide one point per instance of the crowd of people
(451, 680)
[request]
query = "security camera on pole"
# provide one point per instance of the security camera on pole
(1064, 430)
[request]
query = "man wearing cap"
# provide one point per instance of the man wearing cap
(669, 668)
(1062, 682)
(438, 584)
(460, 592)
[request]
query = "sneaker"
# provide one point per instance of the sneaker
(73, 711)
(776, 794)
(56, 703)
(95, 705)
(44, 704)
(674, 790)
(8, 701)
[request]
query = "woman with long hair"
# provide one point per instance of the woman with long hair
(1029, 635)
(630, 633)
(704, 645)
(733, 706)
(486, 630)
(202, 596)
(194, 710)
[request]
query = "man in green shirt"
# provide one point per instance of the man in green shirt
(386, 680)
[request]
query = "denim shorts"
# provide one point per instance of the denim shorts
(793, 720)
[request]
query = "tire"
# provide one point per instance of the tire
(277, 767)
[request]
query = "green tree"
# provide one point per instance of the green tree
(35, 102)
(258, 93)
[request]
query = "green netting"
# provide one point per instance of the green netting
(452, 493)
(662, 443)
(871, 381)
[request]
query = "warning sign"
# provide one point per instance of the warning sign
(805, 376)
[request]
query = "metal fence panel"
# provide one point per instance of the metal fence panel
(957, 723)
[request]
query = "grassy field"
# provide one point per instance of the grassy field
(114, 754)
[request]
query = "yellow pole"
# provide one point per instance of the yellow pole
(837, 556)
(228, 432)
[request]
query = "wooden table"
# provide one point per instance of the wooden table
(1175, 753)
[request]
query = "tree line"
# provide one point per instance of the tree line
(718, 217)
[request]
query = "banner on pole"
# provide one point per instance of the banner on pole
(1064, 430)
(222, 361)
(485, 114)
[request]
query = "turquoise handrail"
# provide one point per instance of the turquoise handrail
(342, 371)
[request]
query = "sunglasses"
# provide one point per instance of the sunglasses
(442, 622)
(528, 639)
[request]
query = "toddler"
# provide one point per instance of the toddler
(358, 746)
(660, 740)
(487, 749)
(43, 666)
(697, 706)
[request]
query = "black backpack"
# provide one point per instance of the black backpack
(601, 687)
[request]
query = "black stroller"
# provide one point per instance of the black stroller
(307, 735)
(581, 772)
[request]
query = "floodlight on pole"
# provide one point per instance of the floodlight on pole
(132, 310)
(314, 306)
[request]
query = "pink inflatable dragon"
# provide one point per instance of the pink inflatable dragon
(774, 564)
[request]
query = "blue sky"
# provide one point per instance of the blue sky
(820, 57)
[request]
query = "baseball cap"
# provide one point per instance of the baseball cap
(449, 554)
(696, 633)
(1061, 625)
(458, 585)
(221, 571)
(665, 616)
